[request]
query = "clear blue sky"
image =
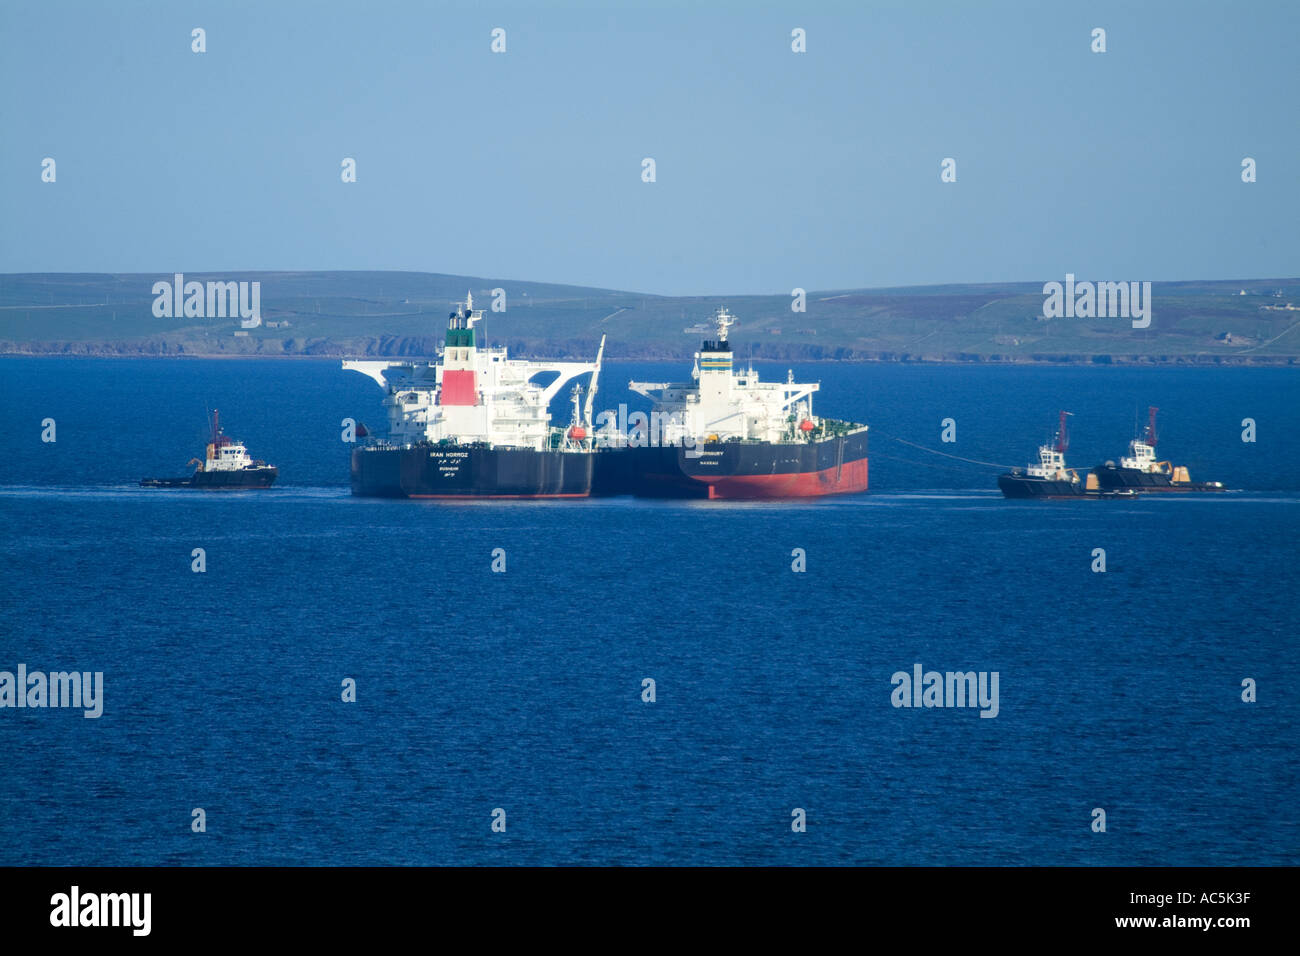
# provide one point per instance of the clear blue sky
(775, 169)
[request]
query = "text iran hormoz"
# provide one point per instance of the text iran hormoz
(37, 689)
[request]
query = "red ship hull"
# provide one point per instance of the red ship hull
(737, 470)
(851, 477)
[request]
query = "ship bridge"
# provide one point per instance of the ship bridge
(724, 402)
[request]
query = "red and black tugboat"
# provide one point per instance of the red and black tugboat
(1139, 470)
(1049, 478)
(227, 466)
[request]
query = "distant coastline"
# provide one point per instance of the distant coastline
(334, 315)
(1096, 361)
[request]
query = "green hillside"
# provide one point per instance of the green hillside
(403, 313)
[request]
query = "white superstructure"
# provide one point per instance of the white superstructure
(1143, 457)
(1142, 451)
(227, 457)
(723, 402)
(1051, 457)
(475, 394)
(1051, 464)
(224, 453)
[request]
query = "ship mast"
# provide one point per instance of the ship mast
(1150, 436)
(725, 321)
(1062, 436)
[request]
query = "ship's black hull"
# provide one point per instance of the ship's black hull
(1023, 486)
(1111, 478)
(1131, 478)
(834, 465)
(458, 471)
(245, 479)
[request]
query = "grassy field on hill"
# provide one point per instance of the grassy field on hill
(404, 313)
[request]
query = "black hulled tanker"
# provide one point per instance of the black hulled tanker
(469, 471)
(474, 425)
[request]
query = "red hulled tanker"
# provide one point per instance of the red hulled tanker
(726, 434)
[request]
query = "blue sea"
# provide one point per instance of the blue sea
(522, 691)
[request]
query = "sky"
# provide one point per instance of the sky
(773, 169)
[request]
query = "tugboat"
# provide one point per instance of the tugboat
(1049, 478)
(227, 466)
(727, 435)
(1139, 470)
(475, 424)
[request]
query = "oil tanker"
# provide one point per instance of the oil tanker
(727, 435)
(1140, 471)
(475, 425)
(227, 466)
